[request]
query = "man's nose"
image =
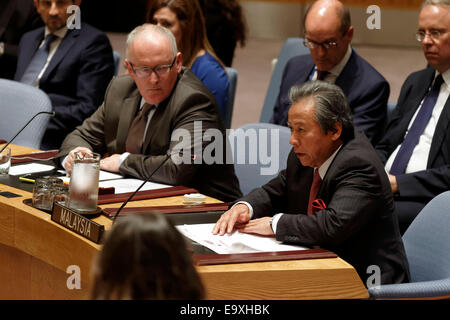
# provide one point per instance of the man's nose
(54, 10)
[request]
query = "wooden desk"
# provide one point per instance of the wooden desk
(35, 253)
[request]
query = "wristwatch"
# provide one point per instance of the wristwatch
(2, 48)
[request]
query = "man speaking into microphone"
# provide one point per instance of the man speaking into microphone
(134, 126)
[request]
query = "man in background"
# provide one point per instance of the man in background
(416, 146)
(328, 34)
(73, 66)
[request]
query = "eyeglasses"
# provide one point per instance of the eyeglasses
(160, 71)
(434, 35)
(313, 45)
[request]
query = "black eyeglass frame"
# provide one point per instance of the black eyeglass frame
(145, 72)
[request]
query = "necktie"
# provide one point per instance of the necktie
(420, 122)
(38, 62)
(135, 136)
(322, 74)
(314, 190)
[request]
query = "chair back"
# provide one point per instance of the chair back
(116, 56)
(292, 47)
(19, 102)
(427, 241)
(260, 152)
(232, 77)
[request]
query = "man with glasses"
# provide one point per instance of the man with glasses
(416, 146)
(328, 34)
(145, 112)
(73, 66)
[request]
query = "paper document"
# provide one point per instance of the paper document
(236, 242)
(130, 185)
(29, 168)
(103, 175)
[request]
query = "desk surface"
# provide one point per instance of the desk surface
(36, 252)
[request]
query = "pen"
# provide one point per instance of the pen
(26, 180)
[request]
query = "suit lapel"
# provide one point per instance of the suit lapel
(350, 71)
(66, 43)
(439, 133)
(28, 51)
(129, 109)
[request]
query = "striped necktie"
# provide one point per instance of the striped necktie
(135, 136)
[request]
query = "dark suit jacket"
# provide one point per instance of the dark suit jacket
(422, 185)
(75, 79)
(358, 223)
(366, 90)
(16, 18)
(106, 131)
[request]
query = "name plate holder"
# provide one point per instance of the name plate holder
(77, 223)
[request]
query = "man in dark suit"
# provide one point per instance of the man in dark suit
(174, 103)
(73, 66)
(334, 192)
(416, 146)
(328, 34)
(16, 18)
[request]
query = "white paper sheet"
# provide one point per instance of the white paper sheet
(130, 185)
(236, 242)
(104, 175)
(29, 168)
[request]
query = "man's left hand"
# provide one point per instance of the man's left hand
(393, 181)
(259, 226)
(110, 163)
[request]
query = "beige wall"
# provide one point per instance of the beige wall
(275, 20)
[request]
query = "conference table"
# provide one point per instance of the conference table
(38, 257)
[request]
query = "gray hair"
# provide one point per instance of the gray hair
(330, 103)
(152, 28)
(436, 3)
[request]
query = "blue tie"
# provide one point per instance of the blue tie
(38, 62)
(412, 138)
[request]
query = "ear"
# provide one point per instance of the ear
(349, 34)
(179, 62)
(36, 3)
(337, 131)
(128, 65)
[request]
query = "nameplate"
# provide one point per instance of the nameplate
(75, 222)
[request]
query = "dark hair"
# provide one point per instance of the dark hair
(330, 103)
(192, 24)
(145, 257)
(344, 17)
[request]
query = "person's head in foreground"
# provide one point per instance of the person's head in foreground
(145, 257)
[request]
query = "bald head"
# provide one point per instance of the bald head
(329, 9)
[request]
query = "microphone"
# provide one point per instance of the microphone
(139, 188)
(52, 113)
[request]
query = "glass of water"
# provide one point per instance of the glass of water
(5, 161)
(83, 187)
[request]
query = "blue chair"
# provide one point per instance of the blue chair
(116, 56)
(292, 47)
(19, 102)
(232, 77)
(427, 245)
(250, 144)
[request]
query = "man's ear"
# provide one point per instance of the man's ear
(128, 65)
(336, 134)
(179, 61)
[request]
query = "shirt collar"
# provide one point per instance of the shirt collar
(445, 76)
(324, 167)
(61, 33)
(337, 69)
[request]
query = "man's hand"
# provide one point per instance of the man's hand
(259, 226)
(110, 163)
(394, 185)
(68, 164)
(239, 214)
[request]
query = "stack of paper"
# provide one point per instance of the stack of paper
(236, 242)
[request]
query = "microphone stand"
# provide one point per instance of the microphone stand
(46, 112)
(139, 188)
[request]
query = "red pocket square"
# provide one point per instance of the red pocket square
(318, 204)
